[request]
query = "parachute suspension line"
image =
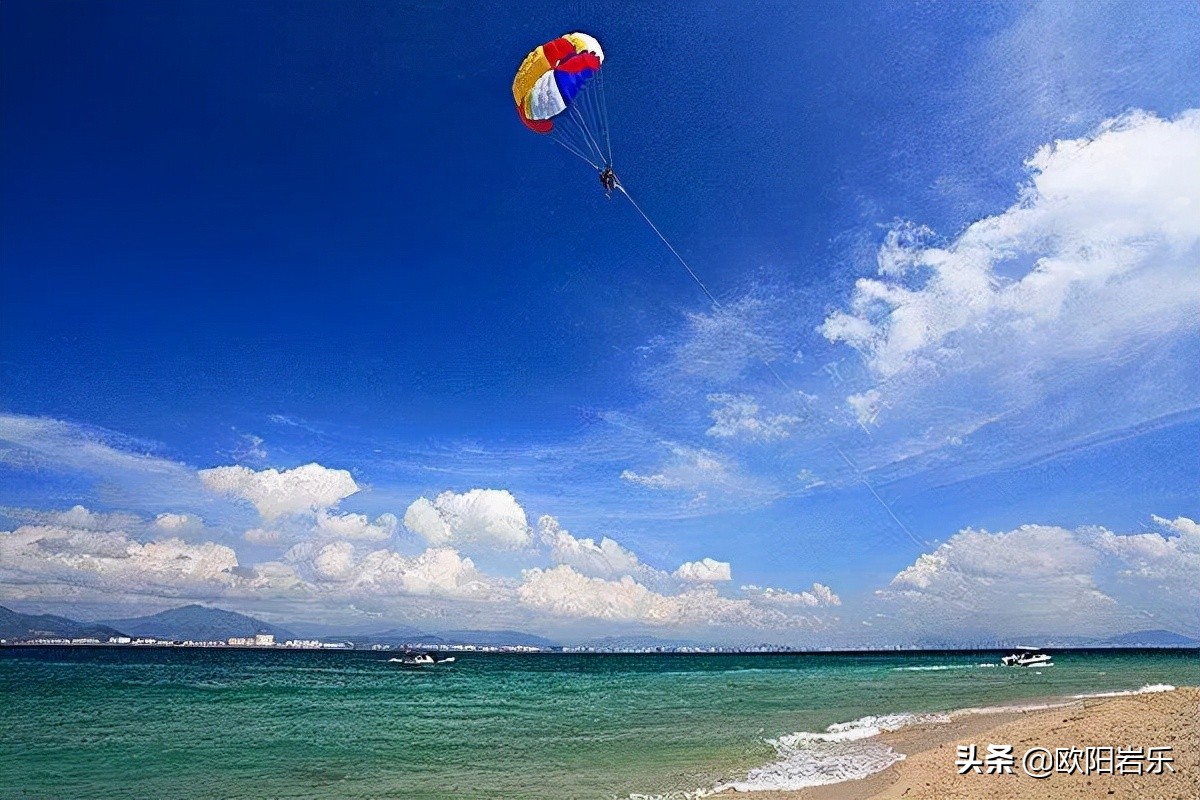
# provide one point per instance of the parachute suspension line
(881, 501)
(567, 136)
(595, 148)
(593, 98)
(717, 304)
(584, 106)
(604, 113)
(712, 299)
(572, 149)
(568, 133)
(571, 133)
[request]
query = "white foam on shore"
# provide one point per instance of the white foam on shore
(1072, 700)
(843, 752)
(1150, 688)
(839, 753)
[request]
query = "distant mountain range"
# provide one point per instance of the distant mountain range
(14, 625)
(199, 623)
(409, 635)
(496, 638)
(637, 643)
(203, 623)
(1157, 638)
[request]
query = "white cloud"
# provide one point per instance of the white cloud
(866, 406)
(355, 526)
(275, 577)
(738, 416)
(1188, 530)
(605, 559)
(562, 591)
(38, 442)
(76, 517)
(706, 570)
(696, 470)
(44, 553)
(819, 596)
(309, 488)
(1099, 255)
(262, 536)
(809, 479)
(719, 346)
(1157, 573)
(177, 522)
(489, 517)
(1042, 580)
(337, 568)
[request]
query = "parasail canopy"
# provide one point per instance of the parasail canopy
(559, 92)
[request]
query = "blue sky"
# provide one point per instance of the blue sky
(289, 234)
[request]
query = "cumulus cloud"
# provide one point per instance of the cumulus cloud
(309, 488)
(563, 591)
(77, 517)
(355, 526)
(40, 553)
(604, 559)
(336, 567)
(174, 522)
(820, 596)
(706, 570)
(488, 517)
(1043, 580)
(1097, 261)
(1096, 213)
(262, 536)
(738, 416)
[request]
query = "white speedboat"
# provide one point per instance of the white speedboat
(1028, 657)
(420, 660)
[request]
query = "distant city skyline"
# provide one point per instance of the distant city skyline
(321, 332)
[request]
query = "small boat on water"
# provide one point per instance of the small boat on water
(1028, 657)
(420, 660)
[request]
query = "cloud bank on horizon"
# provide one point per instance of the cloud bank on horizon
(1034, 580)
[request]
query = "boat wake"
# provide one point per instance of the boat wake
(940, 667)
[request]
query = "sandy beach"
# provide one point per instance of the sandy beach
(1167, 719)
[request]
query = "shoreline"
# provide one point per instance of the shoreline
(925, 750)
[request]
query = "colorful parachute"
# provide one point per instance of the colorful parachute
(559, 91)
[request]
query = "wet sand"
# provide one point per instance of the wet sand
(1165, 719)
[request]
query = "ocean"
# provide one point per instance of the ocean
(167, 723)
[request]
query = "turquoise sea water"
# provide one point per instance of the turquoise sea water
(125, 722)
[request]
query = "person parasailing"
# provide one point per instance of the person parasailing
(608, 179)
